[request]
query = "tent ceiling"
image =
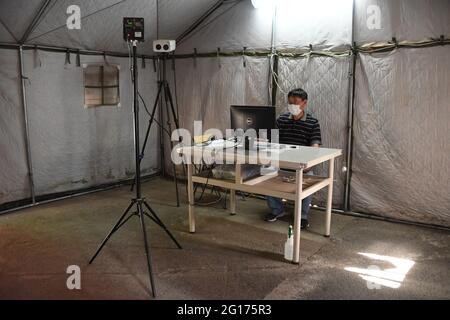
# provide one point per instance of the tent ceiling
(5, 34)
(175, 16)
(101, 21)
(17, 16)
(101, 25)
(327, 26)
(403, 19)
(236, 24)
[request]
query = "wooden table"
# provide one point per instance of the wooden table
(286, 157)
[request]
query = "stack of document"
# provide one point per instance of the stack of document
(221, 144)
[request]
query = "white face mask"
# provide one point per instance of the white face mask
(294, 109)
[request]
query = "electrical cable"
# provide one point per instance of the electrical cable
(275, 77)
(154, 119)
(140, 96)
(389, 46)
(205, 185)
(175, 88)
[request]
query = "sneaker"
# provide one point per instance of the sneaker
(273, 217)
(304, 224)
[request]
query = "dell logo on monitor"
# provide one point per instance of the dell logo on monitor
(249, 121)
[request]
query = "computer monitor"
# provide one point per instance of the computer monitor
(253, 117)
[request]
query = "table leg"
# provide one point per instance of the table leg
(237, 180)
(330, 198)
(233, 201)
(191, 198)
(298, 215)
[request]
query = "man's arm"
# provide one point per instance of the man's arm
(316, 135)
(316, 140)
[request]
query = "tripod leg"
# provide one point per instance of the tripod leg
(175, 119)
(114, 229)
(153, 219)
(150, 122)
(141, 156)
(168, 100)
(169, 97)
(162, 225)
(147, 252)
(176, 182)
(126, 220)
(175, 179)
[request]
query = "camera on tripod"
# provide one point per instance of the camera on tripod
(133, 29)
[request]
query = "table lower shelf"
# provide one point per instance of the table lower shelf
(269, 185)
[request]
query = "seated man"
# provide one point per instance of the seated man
(299, 128)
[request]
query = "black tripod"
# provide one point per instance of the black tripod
(140, 202)
(163, 87)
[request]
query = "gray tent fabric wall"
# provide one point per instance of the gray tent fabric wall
(401, 162)
(207, 90)
(73, 147)
(393, 173)
(13, 162)
(208, 87)
(326, 79)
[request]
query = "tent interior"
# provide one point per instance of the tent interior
(377, 74)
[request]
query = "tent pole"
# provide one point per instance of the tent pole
(161, 65)
(273, 60)
(351, 105)
(27, 131)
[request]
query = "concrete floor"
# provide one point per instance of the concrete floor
(230, 257)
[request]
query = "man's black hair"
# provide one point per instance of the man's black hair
(300, 93)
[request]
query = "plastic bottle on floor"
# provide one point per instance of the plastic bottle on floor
(289, 245)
